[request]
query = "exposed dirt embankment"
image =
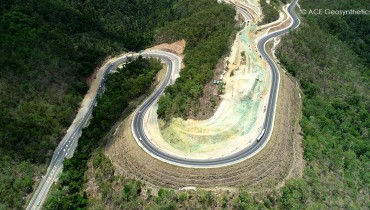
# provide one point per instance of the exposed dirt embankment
(176, 48)
(265, 170)
(283, 24)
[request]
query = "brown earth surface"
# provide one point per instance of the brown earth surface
(282, 25)
(92, 77)
(176, 48)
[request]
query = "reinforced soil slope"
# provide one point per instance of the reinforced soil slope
(267, 169)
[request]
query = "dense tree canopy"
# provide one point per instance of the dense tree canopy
(329, 55)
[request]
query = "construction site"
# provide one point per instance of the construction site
(243, 86)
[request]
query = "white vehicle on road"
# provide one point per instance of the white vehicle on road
(261, 135)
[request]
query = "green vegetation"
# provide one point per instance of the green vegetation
(207, 33)
(16, 180)
(336, 122)
(353, 30)
(131, 194)
(270, 11)
(129, 83)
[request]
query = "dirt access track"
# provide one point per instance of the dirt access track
(279, 160)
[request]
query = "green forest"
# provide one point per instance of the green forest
(330, 57)
(48, 49)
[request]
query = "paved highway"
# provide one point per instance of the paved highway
(150, 148)
(64, 150)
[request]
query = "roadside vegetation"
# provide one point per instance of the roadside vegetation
(118, 192)
(121, 87)
(207, 33)
(133, 194)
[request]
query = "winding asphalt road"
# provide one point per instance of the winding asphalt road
(149, 147)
